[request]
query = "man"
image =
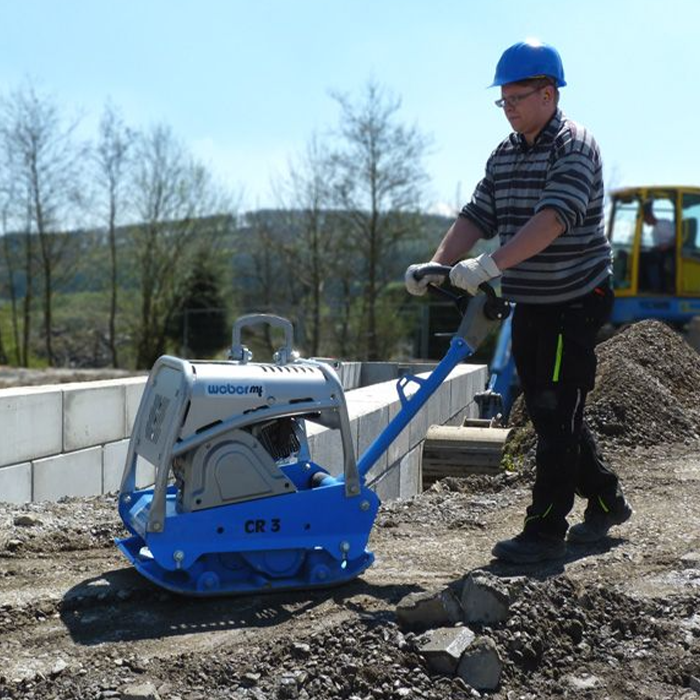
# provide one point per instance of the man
(542, 194)
(659, 261)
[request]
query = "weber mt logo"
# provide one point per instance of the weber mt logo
(230, 389)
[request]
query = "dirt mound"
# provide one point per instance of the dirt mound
(647, 388)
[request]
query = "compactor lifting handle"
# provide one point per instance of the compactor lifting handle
(240, 352)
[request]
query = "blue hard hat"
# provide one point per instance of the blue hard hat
(529, 59)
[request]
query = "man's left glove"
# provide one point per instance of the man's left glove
(469, 274)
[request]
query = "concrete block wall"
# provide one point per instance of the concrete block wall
(65, 439)
(398, 472)
(72, 439)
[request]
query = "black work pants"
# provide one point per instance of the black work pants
(554, 351)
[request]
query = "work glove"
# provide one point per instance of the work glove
(469, 274)
(419, 287)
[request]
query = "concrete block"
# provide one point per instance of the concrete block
(72, 474)
(16, 483)
(370, 425)
(424, 610)
(378, 372)
(133, 389)
(385, 483)
(400, 446)
(145, 473)
(93, 415)
(113, 460)
(354, 376)
(444, 647)
(32, 424)
(411, 473)
(481, 665)
(485, 599)
(444, 398)
(418, 428)
(326, 448)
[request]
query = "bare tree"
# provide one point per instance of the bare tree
(10, 256)
(112, 161)
(379, 181)
(42, 161)
(311, 246)
(265, 279)
(180, 210)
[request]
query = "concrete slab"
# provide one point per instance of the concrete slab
(16, 483)
(411, 473)
(32, 425)
(386, 486)
(400, 446)
(113, 460)
(93, 415)
(73, 474)
(133, 389)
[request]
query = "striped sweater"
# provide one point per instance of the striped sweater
(562, 170)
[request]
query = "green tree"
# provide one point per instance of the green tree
(202, 320)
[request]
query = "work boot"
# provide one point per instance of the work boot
(596, 523)
(529, 549)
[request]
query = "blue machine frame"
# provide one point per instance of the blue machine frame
(315, 536)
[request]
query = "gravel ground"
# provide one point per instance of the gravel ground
(617, 620)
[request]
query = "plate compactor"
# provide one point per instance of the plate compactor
(238, 505)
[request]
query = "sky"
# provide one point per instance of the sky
(246, 84)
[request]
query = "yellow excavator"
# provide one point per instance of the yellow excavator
(655, 236)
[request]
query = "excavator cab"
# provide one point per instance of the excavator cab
(655, 237)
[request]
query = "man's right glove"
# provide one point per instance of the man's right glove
(470, 273)
(419, 287)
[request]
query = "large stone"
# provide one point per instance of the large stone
(486, 599)
(426, 610)
(139, 691)
(444, 647)
(481, 665)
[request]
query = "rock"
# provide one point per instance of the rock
(139, 691)
(583, 682)
(481, 665)
(250, 679)
(691, 560)
(58, 668)
(27, 520)
(288, 688)
(444, 648)
(486, 599)
(425, 610)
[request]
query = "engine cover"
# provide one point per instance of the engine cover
(229, 469)
(225, 389)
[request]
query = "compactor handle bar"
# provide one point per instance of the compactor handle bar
(495, 308)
